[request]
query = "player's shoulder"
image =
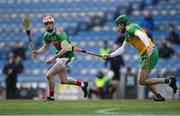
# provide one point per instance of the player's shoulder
(130, 32)
(59, 30)
(133, 27)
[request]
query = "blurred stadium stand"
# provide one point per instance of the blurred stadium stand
(88, 23)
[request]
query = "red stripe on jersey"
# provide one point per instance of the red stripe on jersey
(57, 44)
(61, 29)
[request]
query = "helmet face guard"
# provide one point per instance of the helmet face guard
(48, 20)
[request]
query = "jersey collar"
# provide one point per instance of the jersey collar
(52, 31)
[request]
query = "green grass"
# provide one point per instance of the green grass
(89, 107)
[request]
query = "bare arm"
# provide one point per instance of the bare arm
(43, 49)
(66, 46)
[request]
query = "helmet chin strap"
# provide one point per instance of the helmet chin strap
(50, 31)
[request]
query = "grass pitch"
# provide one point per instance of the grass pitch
(89, 107)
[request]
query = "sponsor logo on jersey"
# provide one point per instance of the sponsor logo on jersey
(54, 38)
(57, 44)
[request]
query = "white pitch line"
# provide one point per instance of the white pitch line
(108, 111)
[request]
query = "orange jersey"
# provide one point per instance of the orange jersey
(136, 41)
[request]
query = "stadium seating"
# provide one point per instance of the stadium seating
(77, 20)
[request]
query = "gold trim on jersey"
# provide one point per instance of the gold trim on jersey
(139, 45)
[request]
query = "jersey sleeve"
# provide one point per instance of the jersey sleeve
(143, 37)
(62, 35)
(130, 32)
(46, 39)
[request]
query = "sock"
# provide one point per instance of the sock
(158, 95)
(79, 83)
(82, 84)
(51, 93)
(167, 80)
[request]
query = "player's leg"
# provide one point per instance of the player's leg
(146, 65)
(72, 81)
(63, 65)
(144, 80)
(67, 80)
(50, 76)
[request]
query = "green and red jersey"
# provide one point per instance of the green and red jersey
(56, 38)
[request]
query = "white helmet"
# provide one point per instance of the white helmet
(48, 19)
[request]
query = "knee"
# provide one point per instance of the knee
(141, 82)
(48, 76)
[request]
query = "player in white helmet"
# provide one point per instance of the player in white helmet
(59, 39)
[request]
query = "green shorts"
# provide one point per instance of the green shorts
(149, 62)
